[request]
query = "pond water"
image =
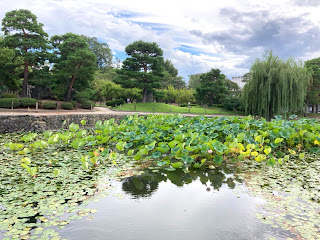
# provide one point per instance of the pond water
(176, 205)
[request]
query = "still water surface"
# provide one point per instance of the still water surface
(176, 205)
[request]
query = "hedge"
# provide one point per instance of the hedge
(49, 105)
(7, 102)
(115, 102)
(67, 105)
(87, 104)
(8, 95)
(28, 102)
(74, 103)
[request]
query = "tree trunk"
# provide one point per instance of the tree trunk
(149, 97)
(25, 79)
(144, 96)
(68, 98)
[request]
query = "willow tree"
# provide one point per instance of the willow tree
(276, 87)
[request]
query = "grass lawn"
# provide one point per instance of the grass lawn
(167, 108)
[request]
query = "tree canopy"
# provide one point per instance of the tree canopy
(142, 69)
(170, 76)
(313, 94)
(276, 87)
(9, 75)
(194, 81)
(101, 50)
(74, 63)
(212, 87)
(25, 35)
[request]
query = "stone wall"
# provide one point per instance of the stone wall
(26, 123)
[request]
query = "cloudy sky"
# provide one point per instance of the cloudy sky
(195, 35)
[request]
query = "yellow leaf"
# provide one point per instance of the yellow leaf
(260, 157)
(258, 138)
(240, 146)
(316, 142)
(95, 153)
(267, 150)
(254, 154)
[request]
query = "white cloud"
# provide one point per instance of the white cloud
(170, 24)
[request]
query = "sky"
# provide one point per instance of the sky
(195, 35)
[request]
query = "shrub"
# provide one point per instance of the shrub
(74, 103)
(8, 95)
(67, 105)
(87, 104)
(183, 105)
(84, 96)
(231, 103)
(115, 102)
(217, 105)
(50, 105)
(28, 102)
(7, 102)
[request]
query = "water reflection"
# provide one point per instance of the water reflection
(147, 184)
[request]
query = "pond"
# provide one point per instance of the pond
(176, 205)
(159, 177)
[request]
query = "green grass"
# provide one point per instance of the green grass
(167, 108)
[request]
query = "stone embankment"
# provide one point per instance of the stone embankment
(21, 120)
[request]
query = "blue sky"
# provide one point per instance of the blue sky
(195, 35)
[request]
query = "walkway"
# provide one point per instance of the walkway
(97, 110)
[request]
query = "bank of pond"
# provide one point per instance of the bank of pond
(163, 176)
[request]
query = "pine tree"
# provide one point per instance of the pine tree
(142, 69)
(25, 35)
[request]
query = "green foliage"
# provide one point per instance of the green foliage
(84, 95)
(88, 105)
(74, 64)
(49, 105)
(25, 35)
(212, 88)
(142, 69)
(67, 105)
(185, 96)
(74, 103)
(276, 87)
(7, 102)
(28, 102)
(8, 95)
(313, 94)
(170, 94)
(170, 76)
(115, 102)
(231, 103)
(100, 50)
(9, 68)
(106, 90)
(194, 81)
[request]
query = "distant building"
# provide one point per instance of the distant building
(238, 80)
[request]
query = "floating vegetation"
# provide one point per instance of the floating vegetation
(292, 192)
(48, 178)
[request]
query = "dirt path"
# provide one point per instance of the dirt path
(97, 110)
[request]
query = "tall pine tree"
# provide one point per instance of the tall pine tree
(25, 35)
(74, 64)
(142, 69)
